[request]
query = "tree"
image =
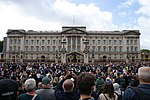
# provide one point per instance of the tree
(1, 46)
(145, 50)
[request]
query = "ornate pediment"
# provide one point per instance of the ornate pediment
(74, 30)
(15, 31)
(131, 32)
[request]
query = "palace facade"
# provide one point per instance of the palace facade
(73, 44)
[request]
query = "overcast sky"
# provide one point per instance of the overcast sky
(100, 15)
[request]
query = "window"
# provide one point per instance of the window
(43, 42)
(99, 41)
(104, 42)
(135, 48)
(32, 48)
(59, 42)
(42, 48)
(131, 42)
(31, 56)
(104, 48)
(131, 48)
(127, 49)
(59, 48)
(26, 48)
(115, 42)
(18, 48)
(48, 48)
(69, 41)
(109, 48)
(127, 42)
(109, 42)
(120, 49)
(120, 42)
(37, 42)
(11, 41)
(26, 42)
(54, 48)
(32, 42)
(121, 56)
(48, 41)
(19, 42)
(93, 41)
(115, 48)
(78, 41)
(14, 48)
(15, 41)
(135, 42)
(10, 48)
(54, 41)
(73, 43)
(99, 48)
(78, 48)
(115, 56)
(69, 48)
(37, 48)
(93, 48)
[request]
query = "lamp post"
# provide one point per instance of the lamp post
(85, 51)
(21, 56)
(63, 51)
(128, 58)
(93, 56)
(56, 54)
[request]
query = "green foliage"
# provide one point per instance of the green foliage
(145, 50)
(1, 46)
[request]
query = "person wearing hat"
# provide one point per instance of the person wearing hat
(8, 89)
(118, 91)
(47, 93)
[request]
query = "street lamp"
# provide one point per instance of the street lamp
(63, 51)
(86, 48)
(86, 51)
(63, 48)
(56, 53)
(93, 56)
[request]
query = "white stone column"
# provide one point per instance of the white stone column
(22, 44)
(7, 48)
(86, 58)
(63, 58)
(22, 49)
(71, 42)
(76, 44)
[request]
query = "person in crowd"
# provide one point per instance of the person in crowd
(108, 92)
(119, 79)
(8, 89)
(55, 82)
(143, 87)
(99, 82)
(134, 81)
(123, 86)
(68, 92)
(118, 91)
(86, 84)
(47, 93)
(40, 86)
(30, 86)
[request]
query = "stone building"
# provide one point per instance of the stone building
(72, 44)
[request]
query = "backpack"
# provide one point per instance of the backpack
(140, 94)
(119, 96)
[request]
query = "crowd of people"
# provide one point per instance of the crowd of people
(98, 81)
